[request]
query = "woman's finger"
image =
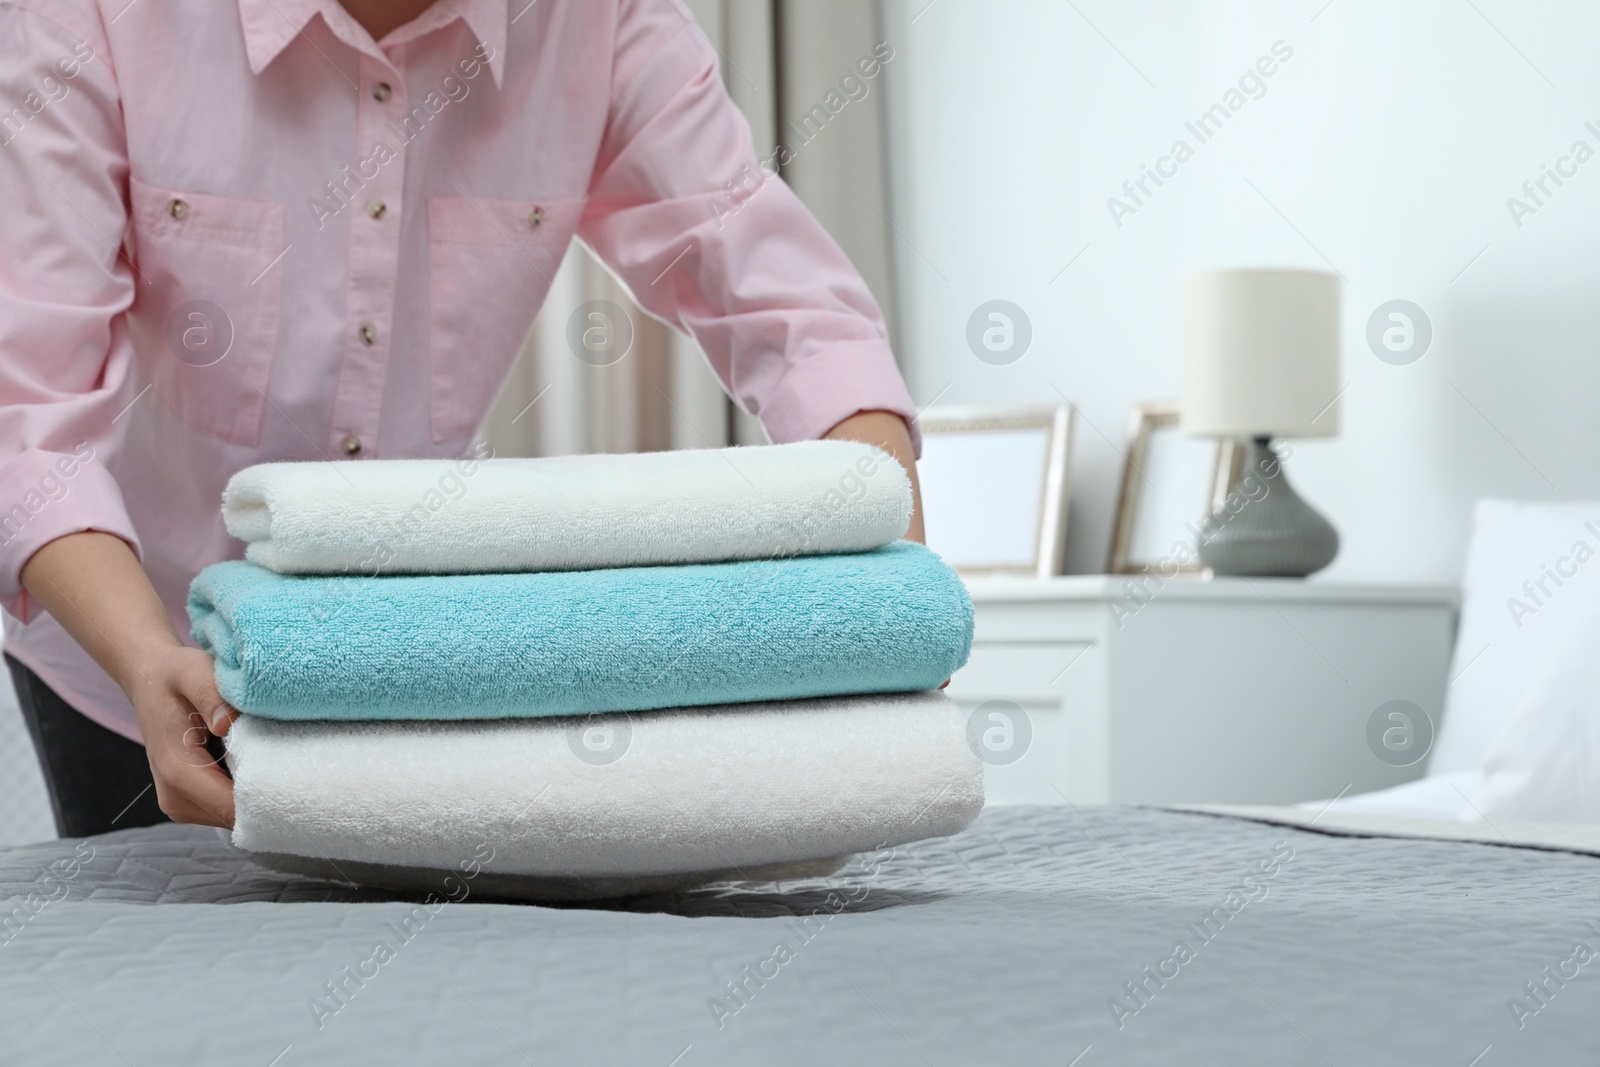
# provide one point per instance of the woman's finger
(198, 685)
(197, 794)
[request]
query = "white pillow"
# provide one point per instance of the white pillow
(1527, 564)
(1545, 764)
(1438, 796)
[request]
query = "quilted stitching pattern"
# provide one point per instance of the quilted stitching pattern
(1000, 946)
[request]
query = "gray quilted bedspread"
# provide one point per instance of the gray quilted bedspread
(1040, 936)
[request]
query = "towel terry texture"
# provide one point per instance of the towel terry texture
(560, 643)
(569, 512)
(684, 790)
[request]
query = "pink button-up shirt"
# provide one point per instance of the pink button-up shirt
(238, 232)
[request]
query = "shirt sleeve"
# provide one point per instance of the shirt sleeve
(65, 359)
(705, 239)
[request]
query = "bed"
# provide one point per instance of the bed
(1039, 936)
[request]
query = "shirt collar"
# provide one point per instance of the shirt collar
(269, 26)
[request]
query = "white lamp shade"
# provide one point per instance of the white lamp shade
(1262, 354)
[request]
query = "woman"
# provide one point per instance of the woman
(247, 231)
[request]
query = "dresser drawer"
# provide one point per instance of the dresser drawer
(1048, 698)
(1023, 671)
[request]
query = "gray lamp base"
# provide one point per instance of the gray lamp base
(1272, 533)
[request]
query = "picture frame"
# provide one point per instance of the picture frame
(1170, 486)
(996, 485)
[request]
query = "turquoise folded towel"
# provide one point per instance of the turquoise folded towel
(480, 646)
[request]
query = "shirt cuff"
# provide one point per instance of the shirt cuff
(825, 388)
(46, 495)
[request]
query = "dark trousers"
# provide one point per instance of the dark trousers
(98, 780)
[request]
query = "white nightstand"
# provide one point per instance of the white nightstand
(1234, 690)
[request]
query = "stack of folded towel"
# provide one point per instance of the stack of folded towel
(617, 668)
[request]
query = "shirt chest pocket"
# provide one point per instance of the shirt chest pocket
(490, 266)
(205, 318)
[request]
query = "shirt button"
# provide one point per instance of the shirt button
(378, 209)
(368, 335)
(178, 209)
(382, 92)
(351, 444)
(536, 216)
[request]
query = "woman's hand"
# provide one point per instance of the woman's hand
(888, 431)
(179, 711)
(94, 587)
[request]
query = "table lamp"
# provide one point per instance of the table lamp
(1262, 361)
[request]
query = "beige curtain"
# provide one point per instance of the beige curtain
(780, 60)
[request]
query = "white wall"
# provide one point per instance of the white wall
(1387, 146)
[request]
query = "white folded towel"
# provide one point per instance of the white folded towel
(694, 789)
(568, 512)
